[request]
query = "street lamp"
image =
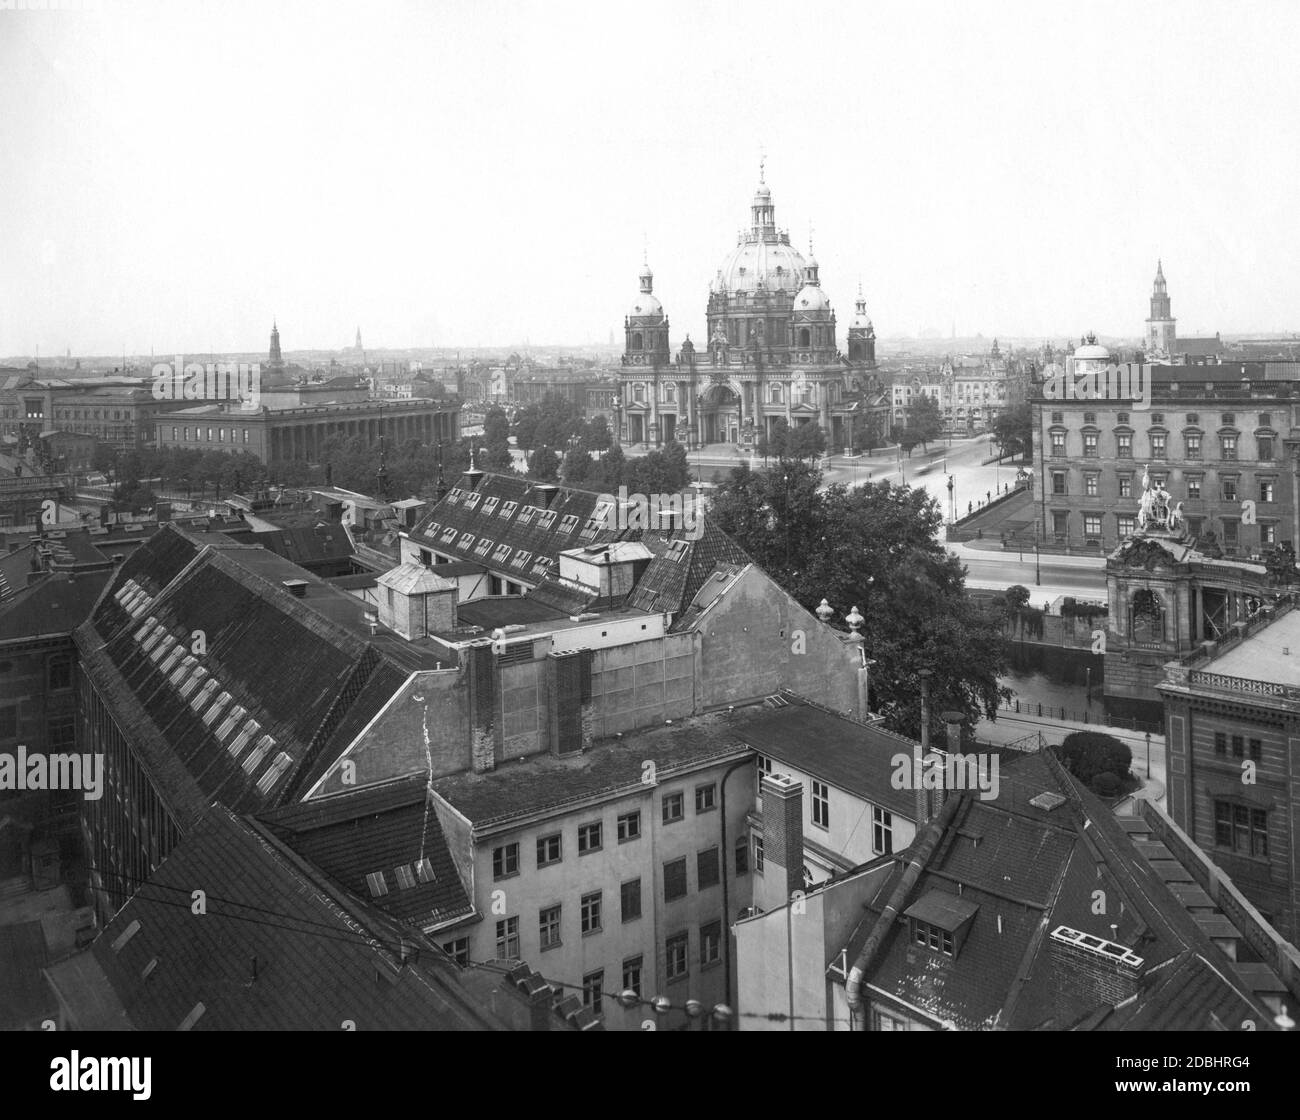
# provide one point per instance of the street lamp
(1038, 572)
(1148, 755)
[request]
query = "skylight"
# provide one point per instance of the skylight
(274, 771)
(375, 881)
(405, 876)
(424, 870)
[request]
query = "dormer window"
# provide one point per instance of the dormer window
(449, 534)
(547, 519)
(941, 921)
(526, 515)
(490, 504)
(502, 554)
(466, 539)
(569, 523)
(471, 500)
(508, 510)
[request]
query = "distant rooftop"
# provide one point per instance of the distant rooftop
(1270, 654)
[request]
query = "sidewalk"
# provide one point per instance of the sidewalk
(979, 550)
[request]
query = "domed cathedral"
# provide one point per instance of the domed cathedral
(771, 352)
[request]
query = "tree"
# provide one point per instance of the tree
(577, 468)
(1017, 598)
(874, 547)
(1087, 754)
(496, 427)
(544, 465)
(925, 420)
(1014, 429)
(596, 435)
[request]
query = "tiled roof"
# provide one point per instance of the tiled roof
(307, 544)
(321, 959)
(380, 830)
(851, 756)
(58, 604)
(680, 568)
(545, 782)
(281, 687)
(1030, 870)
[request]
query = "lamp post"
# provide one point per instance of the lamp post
(1038, 572)
(1148, 755)
(952, 498)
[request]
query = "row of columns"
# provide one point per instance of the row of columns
(757, 410)
(306, 439)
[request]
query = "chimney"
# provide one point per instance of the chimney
(921, 754)
(546, 492)
(783, 833)
(1090, 972)
(568, 681)
(481, 670)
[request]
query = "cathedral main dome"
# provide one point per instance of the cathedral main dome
(763, 259)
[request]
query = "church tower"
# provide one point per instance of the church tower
(274, 361)
(1160, 325)
(646, 327)
(862, 335)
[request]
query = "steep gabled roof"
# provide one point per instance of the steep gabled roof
(276, 949)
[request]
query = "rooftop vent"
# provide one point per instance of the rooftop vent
(296, 587)
(1047, 801)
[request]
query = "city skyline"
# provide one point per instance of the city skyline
(1027, 193)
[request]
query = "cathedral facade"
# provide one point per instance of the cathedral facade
(770, 352)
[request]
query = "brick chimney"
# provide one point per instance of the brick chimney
(568, 687)
(783, 831)
(481, 670)
(1090, 972)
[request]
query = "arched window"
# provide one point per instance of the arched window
(636, 340)
(638, 393)
(1147, 616)
(805, 338)
(778, 393)
(670, 393)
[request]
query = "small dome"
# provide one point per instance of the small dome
(647, 305)
(860, 321)
(811, 298)
(1092, 352)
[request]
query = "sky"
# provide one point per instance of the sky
(483, 173)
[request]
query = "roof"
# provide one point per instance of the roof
(284, 685)
(615, 767)
(378, 830)
(1015, 871)
(58, 604)
(851, 756)
(277, 948)
(1265, 655)
(414, 579)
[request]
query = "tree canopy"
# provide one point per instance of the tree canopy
(874, 547)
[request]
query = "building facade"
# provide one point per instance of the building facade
(770, 354)
(1217, 438)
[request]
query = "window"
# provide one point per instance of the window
(1126, 486)
(1058, 482)
(1193, 487)
(589, 838)
(1090, 445)
(672, 807)
(458, 950)
(1228, 447)
(1256, 750)
(1124, 445)
(1058, 445)
(505, 861)
(1060, 523)
(1193, 418)
(548, 927)
(706, 868)
(490, 504)
(630, 900)
(764, 765)
(405, 876)
(882, 831)
(507, 510)
(1238, 747)
(1121, 418)
(1157, 445)
(1227, 419)
(674, 880)
(546, 519)
(883, 1021)
(60, 671)
(1241, 828)
(932, 937)
(1229, 489)
(821, 804)
(1265, 490)
(1267, 532)
(61, 734)
(675, 950)
(1089, 417)
(1092, 525)
(1090, 485)
(710, 943)
(742, 855)
(1193, 444)
(629, 826)
(632, 975)
(758, 855)
(508, 939)
(593, 985)
(548, 850)
(1265, 447)
(1058, 417)
(424, 870)
(706, 798)
(568, 523)
(590, 912)
(1230, 534)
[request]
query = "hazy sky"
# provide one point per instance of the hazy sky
(480, 173)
